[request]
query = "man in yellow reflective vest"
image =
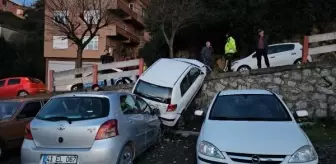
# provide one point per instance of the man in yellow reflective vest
(230, 50)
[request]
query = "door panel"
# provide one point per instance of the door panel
(135, 120)
(152, 121)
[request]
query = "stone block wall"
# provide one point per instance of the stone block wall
(311, 87)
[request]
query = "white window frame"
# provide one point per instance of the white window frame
(93, 44)
(92, 13)
(61, 15)
(60, 42)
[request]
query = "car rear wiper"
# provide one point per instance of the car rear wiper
(59, 118)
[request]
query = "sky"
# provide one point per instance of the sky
(24, 2)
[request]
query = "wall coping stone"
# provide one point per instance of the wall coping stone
(323, 64)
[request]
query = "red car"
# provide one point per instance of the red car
(21, 86)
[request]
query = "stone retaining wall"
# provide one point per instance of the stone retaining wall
(311, 87)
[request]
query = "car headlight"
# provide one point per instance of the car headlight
(210, 150)
(304, 154)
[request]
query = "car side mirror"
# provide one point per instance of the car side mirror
(254, 56)
(300, 114)
(21, 116)
(199, 112)
(156, 111)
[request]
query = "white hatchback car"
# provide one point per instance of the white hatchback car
(170, 86)
(278, 55)
(252, 126)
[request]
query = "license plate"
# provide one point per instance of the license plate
(42, 90)
(59, 159)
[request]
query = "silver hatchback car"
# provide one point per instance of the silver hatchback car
(91, 128)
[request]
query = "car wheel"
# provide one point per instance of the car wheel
(23, 93)
(298, 61)
(120, 82)
(126, 155)
(76, 87)
(244, 68)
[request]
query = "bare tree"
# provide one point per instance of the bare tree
(78, 20)
(170, 16)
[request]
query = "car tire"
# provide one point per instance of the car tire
(298, 61)
(120, 82)
(126, 155)
(22, 93)
(77, 87)
(244, 68)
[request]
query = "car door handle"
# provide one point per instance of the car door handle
(272, 57)
(130, 121)
(293, 53)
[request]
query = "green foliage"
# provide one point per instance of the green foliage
(155, 49)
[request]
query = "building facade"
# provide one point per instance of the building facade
(122, 38)
(10, 6)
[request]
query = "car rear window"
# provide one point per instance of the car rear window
(7, 109)
(34, 80)
(249, 107)
(74, 108)
(153, 92)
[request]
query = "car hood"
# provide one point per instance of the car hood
(254, 137)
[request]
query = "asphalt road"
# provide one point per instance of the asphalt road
(177, 149)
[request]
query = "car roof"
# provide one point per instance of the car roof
(295, 43)
(165, 72)
(245, 91)
(90, 94)
(25, 99)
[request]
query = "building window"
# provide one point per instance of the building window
(93, 44)
(60, 16)
(91, 16)
(131, 6)
(60, 42)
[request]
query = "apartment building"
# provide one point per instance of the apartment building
(124, 37)
(10, 6)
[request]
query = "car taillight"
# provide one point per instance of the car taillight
(171, 107)
(28, 133)
(108, 129)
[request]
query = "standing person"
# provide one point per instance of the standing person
(230, 50)
(206, 54)
(103, 58)
(262, 48)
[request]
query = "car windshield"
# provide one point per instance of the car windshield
(74, 109)
(249, 107)
(153, 92)
(7, 109)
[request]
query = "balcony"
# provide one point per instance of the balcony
(137, 21)
(122, 9)
(119, 33)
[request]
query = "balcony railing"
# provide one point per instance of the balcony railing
(116, 30)
(122, 9)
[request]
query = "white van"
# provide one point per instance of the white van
(170, 86)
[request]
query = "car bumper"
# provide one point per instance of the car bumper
(102, 151)
(202, 159)
(33, 91)
(169, 119)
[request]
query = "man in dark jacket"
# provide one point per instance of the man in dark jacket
(206, 54)
(106, 57)
(262, 48)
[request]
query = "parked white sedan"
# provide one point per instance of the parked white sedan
(278, 55)
(252, 126)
